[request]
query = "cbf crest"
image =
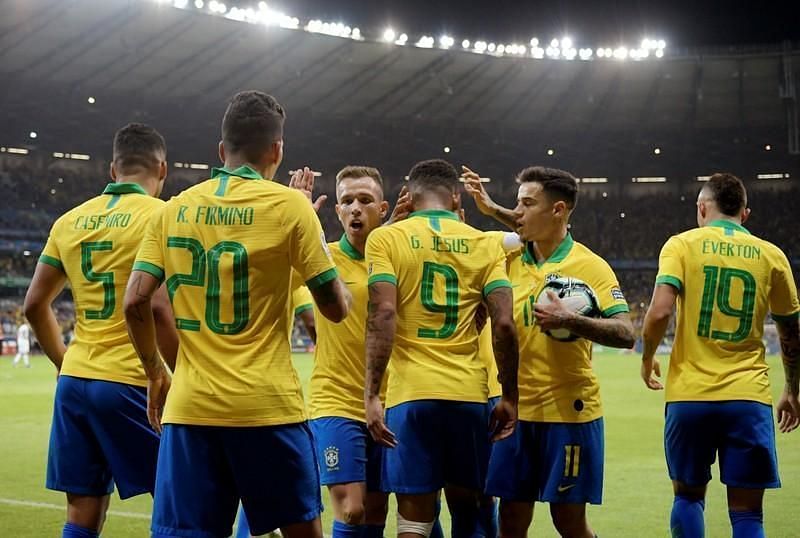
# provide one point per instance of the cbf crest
(331, 457)
(549, 277)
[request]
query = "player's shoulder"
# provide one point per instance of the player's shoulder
(582, 251)
(92, 204)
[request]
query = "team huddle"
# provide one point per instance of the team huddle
(451, 364)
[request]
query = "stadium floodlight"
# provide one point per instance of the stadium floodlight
(26, 252)
(703, 178)
(403, 39)
(58, 155)
(447, 149)
(768, 147)
(199, 4)
(586, 54)
(198, 166)
(657, 151)
(17, 151)
(662, 44)
(537, 52)
(554, 43)
(33, 134)
(78, 156)
(622, 215)
(465, 44)
(594, 180)
(356, 34)
(660, 53)
(446, 41)
(501, 49)
(313, 172)
(480, 46)
(180, 4)
(649, 179)
(522, 50)
(389, 35)
(425, 42)
(492, 47)
(90, 100)
(551, 152)
(621, 53)
(570, 54)
(534, 42)
(769, 176)
(566, 43)
(605, 194)
(601, 53)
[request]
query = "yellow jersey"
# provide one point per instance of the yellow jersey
(442, 268)
(301, 300)
(95, 244)
(556, 380)
(485, 343)
(225, 248)
(727, 281)
(337, 380)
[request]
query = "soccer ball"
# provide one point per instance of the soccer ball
(577, 296)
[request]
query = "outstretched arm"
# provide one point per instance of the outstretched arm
(486, 205)
(381, 324)
(46, 284)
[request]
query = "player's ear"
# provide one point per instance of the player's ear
(745, 214)
(221, 151)
(559, 208)
(112, 171)
(162, 171)
(456, 202)
(383, 207)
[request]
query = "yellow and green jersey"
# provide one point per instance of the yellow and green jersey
(337, 380)
(727, 280)
(95, 244)
(485, 344)
(225, 248)
(301, 300)
(442, 269)
(556, 380)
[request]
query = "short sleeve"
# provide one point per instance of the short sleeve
(309, 249)
(150, 257)
(496, 276)
(670, 264)
(783, 302)
(50, 254)
(301, 300)
(378, 255)
(609, 294)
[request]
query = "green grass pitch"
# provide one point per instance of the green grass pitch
(637, 492)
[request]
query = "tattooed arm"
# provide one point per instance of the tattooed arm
(788, 407)
(45, 286)
(333, 299)
(142, 330)
(500, 303)
(381, 324)
(615, 331)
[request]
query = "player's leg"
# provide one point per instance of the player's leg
(690, 441)
(130, 445)
(488, 522)
(571, 471)
(512, 477)
(75, 462)
(748, 463)
(276, 475)
(26, 358)
(349, 510)
(377, 504)
(242, 526)
(17, 358)
(414, 469)
(196, 494)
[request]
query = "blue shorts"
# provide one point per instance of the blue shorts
(743, 433)
(100, 436)
(549, 462)
(346, 452)
(438, 442)
(203, 472)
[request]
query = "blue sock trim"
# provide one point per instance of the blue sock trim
(343, 530)
(76, 531)
(747, 524)
(686, 519)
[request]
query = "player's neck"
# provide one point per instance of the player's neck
(359, 243)
(719, 216)
(145, 181)
(267, 171)
(427, 204)
(544, 248)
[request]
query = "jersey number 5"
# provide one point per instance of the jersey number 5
(717, 291)
(106, 278)
(207, 263)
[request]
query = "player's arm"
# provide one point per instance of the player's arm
(500, 304)
(307, 318)
(333, 299)
(788, 407)
(486, 205)
(381, 324)
(166, 333)
(613, 331)
(47, 283)
(656, 321)
(138, 310)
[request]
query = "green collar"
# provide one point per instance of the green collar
(124, 188)
(728, 225)
(558, 254)
(349, 249)
(244, 172)
(440, 213)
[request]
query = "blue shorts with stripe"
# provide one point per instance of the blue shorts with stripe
(346, 452)
(203, 472)
(100, 436)
(741, 432)
(549, 462)
(439, 442)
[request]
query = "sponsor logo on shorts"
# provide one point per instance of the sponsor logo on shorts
(331, 457)
(617, 294)
(564, 489)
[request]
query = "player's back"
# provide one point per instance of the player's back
(226, 248)
(442, 269)
(95, 245)
(728, 280)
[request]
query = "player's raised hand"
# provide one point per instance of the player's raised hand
(553, 315)
(503, 419)
(375, 424)
(788, 411)
(157, 389)
(651, 369)
(402, 208)
(303, 180)
(474, 187)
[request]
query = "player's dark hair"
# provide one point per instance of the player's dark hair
(728, 192)
(433, 174)
(138, 146)
(352, 171)
(253, 121)
(558, 185)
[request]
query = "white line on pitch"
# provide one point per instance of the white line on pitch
(34, 504)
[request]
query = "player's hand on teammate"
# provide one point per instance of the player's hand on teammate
(553, 315)
(651, 368)
(503, 419)
(375, 424)
(303, 180)
(157, 389)
(474, 187)
(788, 410)
(402, 208)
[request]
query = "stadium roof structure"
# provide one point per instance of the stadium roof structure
(143, 60)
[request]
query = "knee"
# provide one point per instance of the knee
(569, 526)
(353, 513)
